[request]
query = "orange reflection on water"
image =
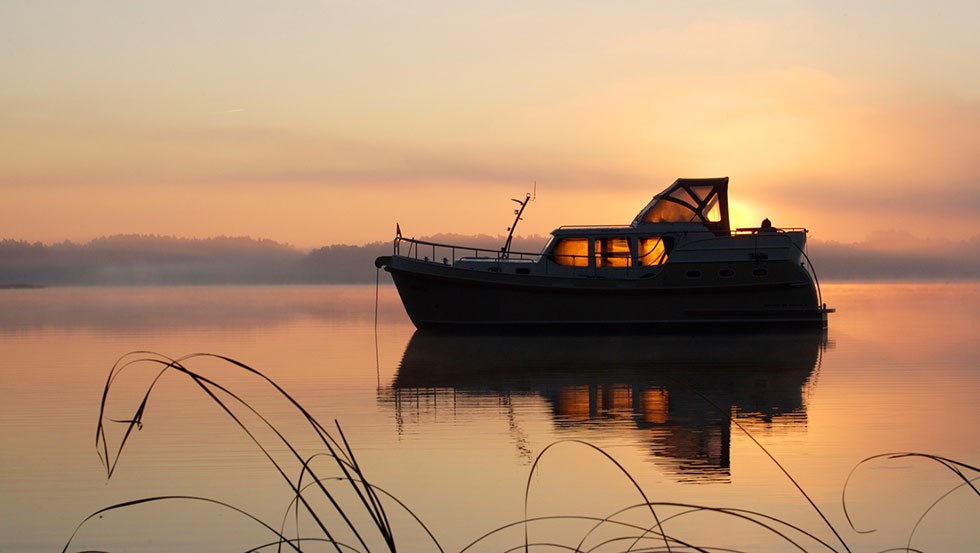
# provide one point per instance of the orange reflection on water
(602, 401)
(617, 400)
(574, 403)
(654, 406)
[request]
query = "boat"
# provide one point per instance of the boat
(678, 265)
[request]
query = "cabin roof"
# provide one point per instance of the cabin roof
(615, 230)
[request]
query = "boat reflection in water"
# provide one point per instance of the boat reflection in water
(677, 394)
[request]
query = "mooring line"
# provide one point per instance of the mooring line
(377, 349)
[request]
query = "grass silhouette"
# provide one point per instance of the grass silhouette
(349, 513)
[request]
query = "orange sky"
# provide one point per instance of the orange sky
(328, 122)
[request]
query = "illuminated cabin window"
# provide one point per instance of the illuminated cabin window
(613, 252)
(712, 211)
(572, 252)
(651, 251)
(666, 211)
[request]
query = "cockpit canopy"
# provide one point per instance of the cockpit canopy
(702, 201)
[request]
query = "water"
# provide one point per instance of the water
(453, 426)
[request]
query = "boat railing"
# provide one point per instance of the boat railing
(757, 230)
(807, 264)
(591, 226)
(813, 272)
(450, 253)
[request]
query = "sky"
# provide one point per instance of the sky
(314, 123)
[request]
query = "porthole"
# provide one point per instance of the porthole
(694, 274)
(726, 273)
(760, 272)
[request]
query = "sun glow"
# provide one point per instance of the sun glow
(746, 215)
(801, 106)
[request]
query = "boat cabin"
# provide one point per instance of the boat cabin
(686, 224)
(689, 209)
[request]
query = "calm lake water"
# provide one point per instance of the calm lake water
(452, 426)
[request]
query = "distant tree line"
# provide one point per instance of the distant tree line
(133, 259)
(144, 260)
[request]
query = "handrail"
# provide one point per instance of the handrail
(782, 231)
(756, 230)
(417, 249)
(813, 272)
(626, 227)
(495, 254)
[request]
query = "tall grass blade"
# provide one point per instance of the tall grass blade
(339, 451)
(956, 467)
(527, 489)
(127, 504)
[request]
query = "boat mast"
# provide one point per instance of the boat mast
(505, 251)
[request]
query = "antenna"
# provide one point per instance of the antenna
(505, 251)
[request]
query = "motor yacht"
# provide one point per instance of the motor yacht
(678, 265)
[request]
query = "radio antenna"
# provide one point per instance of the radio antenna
(505, 251)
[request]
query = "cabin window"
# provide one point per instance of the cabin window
(613, 252)
(651, 250)
(712, 211)
(666, 211)
(685, 196)
(702, 191)
(572, 252)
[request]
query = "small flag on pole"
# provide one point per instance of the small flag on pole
(398, 231)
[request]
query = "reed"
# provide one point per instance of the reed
(338, 515)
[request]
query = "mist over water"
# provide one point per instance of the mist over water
(453, 425)
(156, 260)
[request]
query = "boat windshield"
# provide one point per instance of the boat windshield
(690, 201)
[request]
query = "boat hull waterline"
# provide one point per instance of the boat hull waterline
(438, 297)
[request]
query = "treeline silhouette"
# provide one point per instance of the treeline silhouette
(147, 260)
(144, 260)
